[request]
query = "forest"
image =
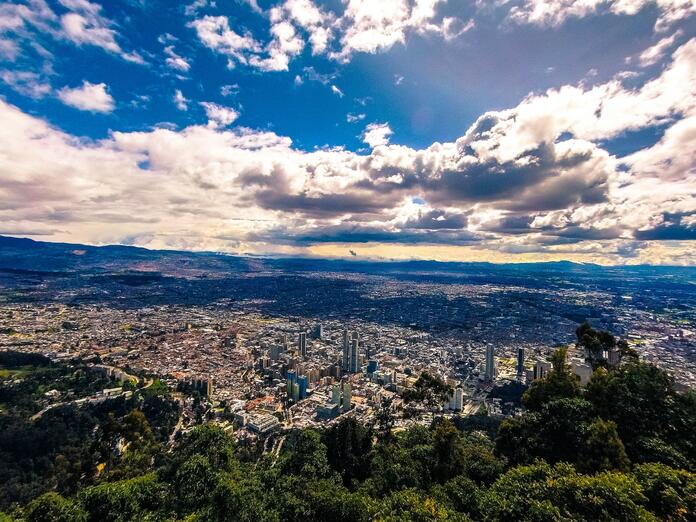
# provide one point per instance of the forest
(622, 447)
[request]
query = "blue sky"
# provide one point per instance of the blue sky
(501, 130)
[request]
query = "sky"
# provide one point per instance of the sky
(499, 130)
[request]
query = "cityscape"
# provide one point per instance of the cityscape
(306, 358)
(347, 261)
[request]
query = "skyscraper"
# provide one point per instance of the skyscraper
(346, 351)
(336, 394)
(319, 331)
(520, 362)
(302, 344)
(302, 382)
(354, 353)
(490, 363)
(291, 379)
(347, 396)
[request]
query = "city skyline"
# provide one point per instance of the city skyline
(531, 130)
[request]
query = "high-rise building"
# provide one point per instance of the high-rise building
(302, 344)
(336, 394)
(291, 380)
(276, 351)
(354, 353)
(520, 362)
(295, 391)
(319, 331)
(302, 382)
(490, 363)
(371, 366)
(541, 369)
(347, 396)
(346, 351)
(458, 399)
(613, 357)
(203, 386)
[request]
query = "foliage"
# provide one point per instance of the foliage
(429, 389)
(51, 507)
(541, 492)
(560, 383)
(622, 448)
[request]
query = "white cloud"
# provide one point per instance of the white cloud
(377, 134)
(316, 22)
(364, 26)
(285, 44)
(180, 100)
(556, 12)
(91, 97)
(352, 118)
(174, 61)
(82, 24)
(655, 53)
(215, 33)
(27, 83)
(229, 89)
(219, 115)
(338, 92)
(532, 178)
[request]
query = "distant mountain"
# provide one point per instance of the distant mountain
(29, 255)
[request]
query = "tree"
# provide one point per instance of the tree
(671, 493)
(541, 492)
(429, 389)
(559, 383)
(411, 505)
(306, 456)
(594, 342)
(193, 483)
(125, 500)
(348, 446)
(603, 449)
(640, 398)
(51, 507)
(462, 494)
(211, 442)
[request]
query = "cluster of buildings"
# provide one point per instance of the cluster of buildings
(270, 372)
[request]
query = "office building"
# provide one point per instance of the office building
(371, 366)
(520, 362)
(291, 380)
(490, 363)
(328, 411)
(347, 396)
(354, 354)
(276, 351)
(302, 344)
(336, 394)
(541, 369)
(295, 391)
(582, 369)
(346, 351)
(456, 401)
(302, 382)
(319, 331)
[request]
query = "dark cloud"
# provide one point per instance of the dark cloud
(437, 220)
(347, 233)
(672, 227)
(510, 224)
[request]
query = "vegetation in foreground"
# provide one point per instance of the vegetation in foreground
(623, 447)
